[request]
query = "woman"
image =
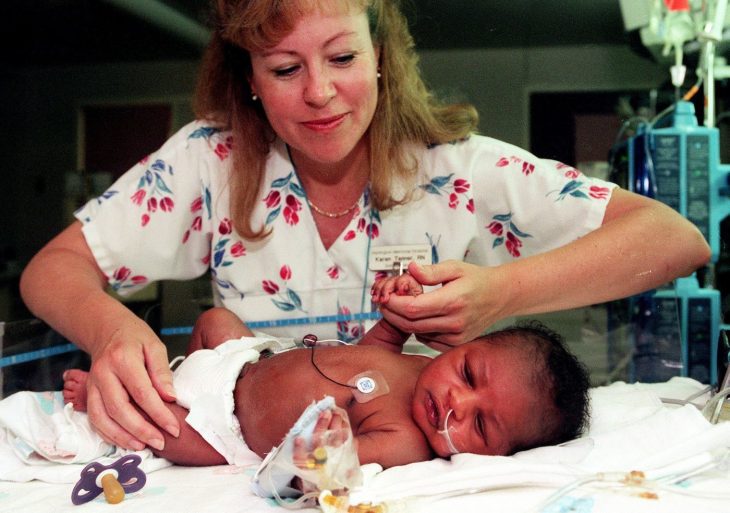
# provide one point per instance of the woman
(319, 148)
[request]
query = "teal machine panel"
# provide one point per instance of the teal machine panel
(677, 162)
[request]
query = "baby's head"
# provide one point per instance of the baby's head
(508, 391)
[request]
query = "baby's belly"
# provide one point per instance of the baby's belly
(270, 399)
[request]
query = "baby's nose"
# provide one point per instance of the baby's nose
(462, 402)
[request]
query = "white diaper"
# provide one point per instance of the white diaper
(204, 384)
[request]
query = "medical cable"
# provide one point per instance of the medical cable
(688, 400)
(635, 480)
(445, 433)
(713, 408)
(312, 342)
(369, 235)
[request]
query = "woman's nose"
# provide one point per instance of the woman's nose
(319, 89)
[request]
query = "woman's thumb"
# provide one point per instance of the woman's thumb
(435, 274)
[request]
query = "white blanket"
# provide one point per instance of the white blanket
(631, 430)
(43, 438)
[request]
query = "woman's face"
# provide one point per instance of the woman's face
(488, 387)
(318, 86)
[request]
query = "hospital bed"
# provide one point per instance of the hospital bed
(646, 450)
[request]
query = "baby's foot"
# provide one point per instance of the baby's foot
(74, 388)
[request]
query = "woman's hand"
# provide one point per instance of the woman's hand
(131, 367)
(453, 314)
(129, 362)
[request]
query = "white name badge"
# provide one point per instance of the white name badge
(387, 258)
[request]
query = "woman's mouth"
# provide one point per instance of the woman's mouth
(324, 124)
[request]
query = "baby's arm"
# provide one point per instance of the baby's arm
(189, 449)
(384, 334)
(397, 445)
(388, 445)
(215, 326)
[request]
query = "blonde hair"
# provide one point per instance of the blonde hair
(407, 112)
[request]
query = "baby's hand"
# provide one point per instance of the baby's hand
(331, 430)
(403, 285)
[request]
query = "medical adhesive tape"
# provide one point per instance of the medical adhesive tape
(39, 354)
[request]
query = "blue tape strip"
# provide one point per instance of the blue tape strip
(39, 354)
(277, 323)
(187, 330)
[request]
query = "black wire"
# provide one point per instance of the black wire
(325, 376)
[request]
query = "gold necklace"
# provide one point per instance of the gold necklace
(332, 215)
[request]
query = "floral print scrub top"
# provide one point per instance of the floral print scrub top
(479, 200)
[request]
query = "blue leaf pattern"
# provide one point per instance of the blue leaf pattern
(287, 307)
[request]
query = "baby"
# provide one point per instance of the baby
(507, 391)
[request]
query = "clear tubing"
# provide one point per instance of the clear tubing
(445, 433)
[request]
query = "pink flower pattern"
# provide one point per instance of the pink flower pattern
(348, 331)
(286, 299)
(367, 222)
(154, 189)
(224, 248)
(526, 168)
(196, 209)
(124, 278)
(506, 233)
(223, 149)
(291, 192)
(285, 198)
(455, 189)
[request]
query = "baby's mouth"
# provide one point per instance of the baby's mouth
(432, 412)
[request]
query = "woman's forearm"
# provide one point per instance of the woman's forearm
(63, 286)
(641, 245)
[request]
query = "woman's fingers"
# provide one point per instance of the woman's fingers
(123, 404)
(160, 374)
(101, 406)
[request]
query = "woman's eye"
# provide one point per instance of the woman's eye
(344, 59)
(285, 72)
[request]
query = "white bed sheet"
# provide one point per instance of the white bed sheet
(631, 430)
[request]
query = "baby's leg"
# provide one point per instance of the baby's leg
(216, 326)
(74, 388)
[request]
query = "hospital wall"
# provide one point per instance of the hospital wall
(40, 111)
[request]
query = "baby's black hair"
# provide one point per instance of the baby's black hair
(561, 375)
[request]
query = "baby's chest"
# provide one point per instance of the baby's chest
(378, 414)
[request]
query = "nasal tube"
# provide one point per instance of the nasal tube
(445, 433)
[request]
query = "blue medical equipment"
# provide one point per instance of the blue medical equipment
(677, 162)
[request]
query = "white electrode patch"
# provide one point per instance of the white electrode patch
(368, 385)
